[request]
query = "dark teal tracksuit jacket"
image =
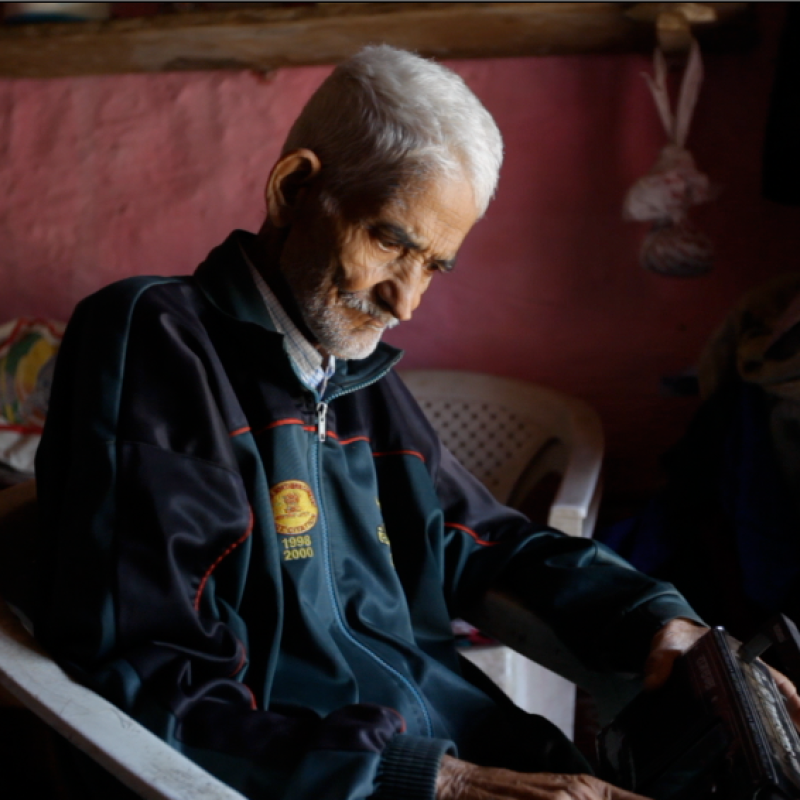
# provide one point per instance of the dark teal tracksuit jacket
(271, 595)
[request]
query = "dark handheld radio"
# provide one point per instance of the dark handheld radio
(718, 727)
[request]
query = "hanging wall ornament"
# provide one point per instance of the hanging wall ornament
(673, 185)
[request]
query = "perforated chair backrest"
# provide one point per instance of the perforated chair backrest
(510, 433)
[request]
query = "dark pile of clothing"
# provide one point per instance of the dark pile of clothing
(726, 527)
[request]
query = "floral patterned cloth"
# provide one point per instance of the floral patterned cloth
(28, 349)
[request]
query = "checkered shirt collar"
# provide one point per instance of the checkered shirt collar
(310, 365)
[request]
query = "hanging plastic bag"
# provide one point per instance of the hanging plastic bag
(673, 185)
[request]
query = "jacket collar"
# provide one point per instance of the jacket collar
(225, 279)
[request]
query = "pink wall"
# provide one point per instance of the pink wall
(113, 176)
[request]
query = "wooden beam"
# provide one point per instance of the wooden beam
(263, 38)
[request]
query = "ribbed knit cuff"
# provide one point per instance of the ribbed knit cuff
(409, 766)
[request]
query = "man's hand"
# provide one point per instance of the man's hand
(789, 692)
(459, 780)
(674, 639)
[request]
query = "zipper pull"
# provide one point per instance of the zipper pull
(322, 411)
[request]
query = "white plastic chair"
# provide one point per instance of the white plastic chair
(511, 434)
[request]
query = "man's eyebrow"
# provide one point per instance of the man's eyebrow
(398, 234)
(401, 236)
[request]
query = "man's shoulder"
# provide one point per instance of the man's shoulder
(132, 290)
(103, 324)
(115, 303)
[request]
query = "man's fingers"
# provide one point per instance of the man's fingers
(603, 790)
(790, 695)
(659, 667)
(459, 780)
(615, 793)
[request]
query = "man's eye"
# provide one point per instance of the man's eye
(389, 247)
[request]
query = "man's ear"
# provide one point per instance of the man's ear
(287, 185)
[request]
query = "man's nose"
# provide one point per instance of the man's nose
(402, 294)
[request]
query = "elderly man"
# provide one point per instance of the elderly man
(254, 541)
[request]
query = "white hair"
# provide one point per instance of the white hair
(386, 120)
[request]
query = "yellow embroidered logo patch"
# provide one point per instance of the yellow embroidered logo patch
(382, 537)
(294, 507)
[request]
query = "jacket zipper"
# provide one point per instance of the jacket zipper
(322, 411)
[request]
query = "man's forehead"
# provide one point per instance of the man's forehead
(424, 211)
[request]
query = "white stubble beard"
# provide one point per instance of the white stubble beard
(335, 333)
(327, 319)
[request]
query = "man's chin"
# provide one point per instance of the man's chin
(346, 336)
(356, 353)
(355, 347)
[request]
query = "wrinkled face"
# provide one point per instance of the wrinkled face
(353, 280)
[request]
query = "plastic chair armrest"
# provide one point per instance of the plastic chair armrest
(504, 618)
(137, 757)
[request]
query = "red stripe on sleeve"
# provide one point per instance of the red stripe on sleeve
(403, 725)
(219, 560)
(401, 453)
(483, 542)
(355, 439)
